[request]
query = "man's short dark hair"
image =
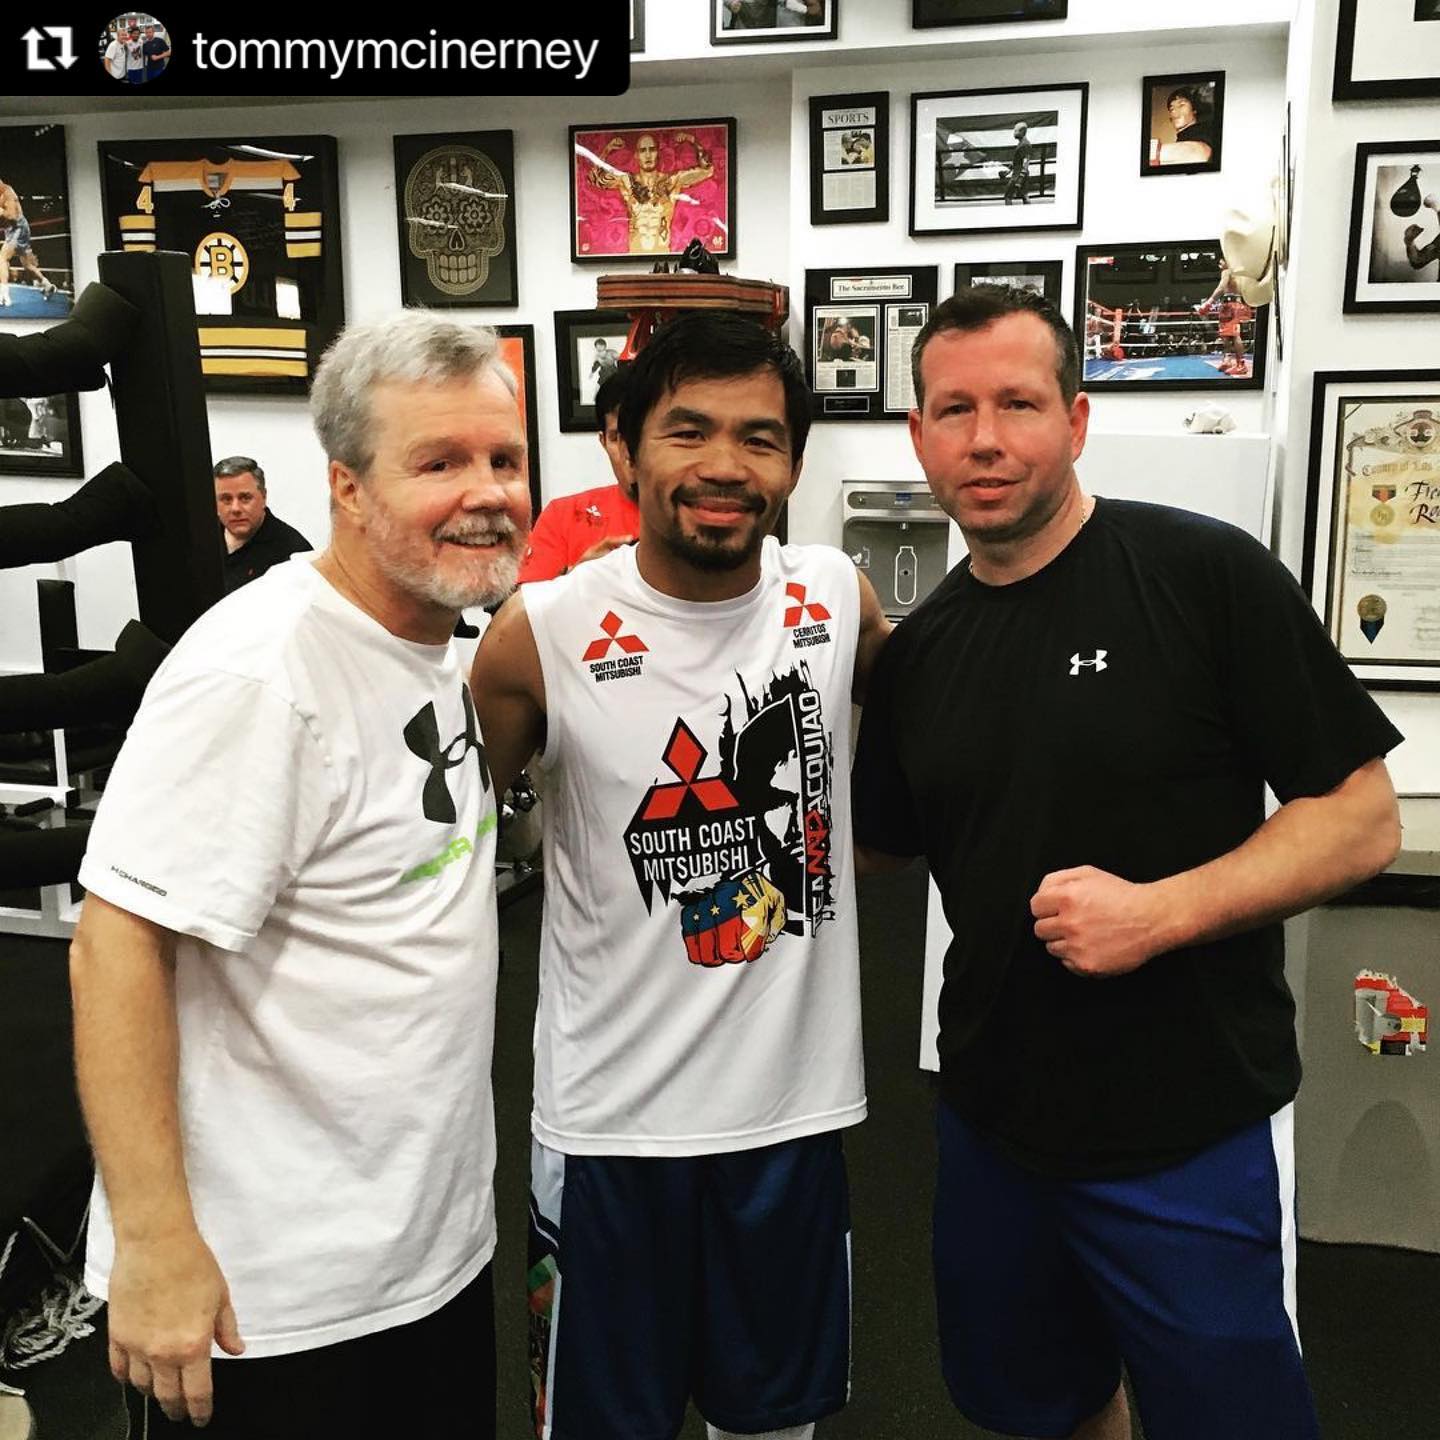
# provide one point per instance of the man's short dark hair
(978, 306)
(713, 345)
(609, 393)
(1195, 98)
(233, 465)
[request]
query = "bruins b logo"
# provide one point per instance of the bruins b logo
(222, 257)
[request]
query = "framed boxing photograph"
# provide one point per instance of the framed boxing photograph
(455, 208)
(637, 34)
(1393, 55)
(986, 161)
(517, 350)
(35, 223)
(752, 22)
(1181, 123)
(1163, 315)
(644, 192)
(850, 158)
(41, 437)
(1371, 561)
(1393, 263)
(259, 217)
(927, 14)
(860, 326)
(588, 346)
(1044, 277)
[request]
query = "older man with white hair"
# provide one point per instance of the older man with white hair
(284, 974)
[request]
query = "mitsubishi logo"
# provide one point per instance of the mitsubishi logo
(796, 612)
(1097, 663)
(599, 649)
(685, 755)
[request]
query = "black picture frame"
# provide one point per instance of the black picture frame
(1359, 75)
(33, 165)
(457, 247)
(576, 381)
(932, 14)
(284, 304)
(850, 156)
(27, 439)
(1020, 273)
(851, 367)
(601, 210)
(998, 159)
(1390, 282)
(1206, 97)
(1338, 404)
(1167, 345)
(637, 27)
(786, 27)
(518, 351)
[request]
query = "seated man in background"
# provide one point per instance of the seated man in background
(591, 523)
(255, 537)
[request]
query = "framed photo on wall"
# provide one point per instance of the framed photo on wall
(1372, 522)
(927, 14)
(41, 437)
(1392, 54)
(637, 29)
(35, 218)
(850, 158)
(645, 191)
(1394, 258)
(1044, 277)
(860, 325)
(750, 22)
(588, 345)
(1181, 123)
(259, 217)
(455, 206)
(1156, 316)
(517, 349)
(994, 160)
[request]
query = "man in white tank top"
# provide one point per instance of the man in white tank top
(697, 1048)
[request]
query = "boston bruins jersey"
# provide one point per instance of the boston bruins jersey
(251, 218)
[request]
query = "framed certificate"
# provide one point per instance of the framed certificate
(1372, 522)
(850, 158)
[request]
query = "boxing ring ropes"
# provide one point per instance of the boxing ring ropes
(59, 727)
(1177, 344)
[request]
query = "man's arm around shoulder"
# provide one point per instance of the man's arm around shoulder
(168, 1299)
(508, 684)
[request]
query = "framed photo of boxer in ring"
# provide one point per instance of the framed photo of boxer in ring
(994, 160)
(1182, 123)
(41, 437)
(928, 14)
(1165, 315)
(1393, 55)
(1371, 561)
(750, 22)
(644, 192)
(1043, 277)
(37, 281)
(1394, 259)
(588, 346)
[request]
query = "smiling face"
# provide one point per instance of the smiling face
(996, 439)
(713, 468)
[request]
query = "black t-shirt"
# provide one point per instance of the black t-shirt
(273, 542)
(1198, 133)
(1119, 708)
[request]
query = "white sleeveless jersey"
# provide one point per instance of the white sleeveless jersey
(699, 977)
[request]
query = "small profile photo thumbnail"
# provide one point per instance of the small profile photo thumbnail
(135, 48)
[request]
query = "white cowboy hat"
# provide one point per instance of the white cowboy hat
(1250, 240)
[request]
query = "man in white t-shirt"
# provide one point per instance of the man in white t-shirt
(284, 974)
(116, 57)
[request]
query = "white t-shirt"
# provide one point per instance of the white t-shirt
(699, 973)
(116, 61)
(303, 797)
(135, 53)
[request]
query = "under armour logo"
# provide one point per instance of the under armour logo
(1097, 664)
(599, 649)
(796, 612)
(685, 755)
(422, 737)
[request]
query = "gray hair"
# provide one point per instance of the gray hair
(413, 346)
(233, 465)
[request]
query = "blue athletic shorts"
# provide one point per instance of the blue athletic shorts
(1187, 1275)
(15, 234)
(722, 1277)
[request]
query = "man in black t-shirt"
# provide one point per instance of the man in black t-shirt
(255, 537)
(1076, 730)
